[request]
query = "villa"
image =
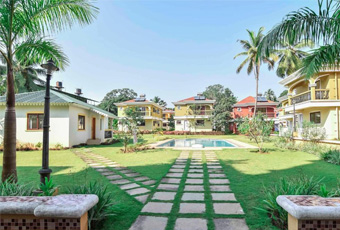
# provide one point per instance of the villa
(315, 100)
(152, 113)
(73, 120)
(194, 114)
(167, 114)
(246, 107)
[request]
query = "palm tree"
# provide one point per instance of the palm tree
(290, 56)
(253, 60)
(321, 26)
(159, 101)
(270, 95)
(24, 25)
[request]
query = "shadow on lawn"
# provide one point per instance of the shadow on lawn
(249, 189)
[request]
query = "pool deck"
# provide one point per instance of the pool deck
(237, 145)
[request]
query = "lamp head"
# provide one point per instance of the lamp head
(50, 66)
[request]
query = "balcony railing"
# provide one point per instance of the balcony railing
(200, 112)
(306, 96)
(322, 94)
(149, 114)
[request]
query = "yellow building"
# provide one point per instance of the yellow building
(194, 114)
(167, 114)
(152, 112)
(315, 100)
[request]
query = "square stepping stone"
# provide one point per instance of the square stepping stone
(194, 188)
(132, 174)
(194, 181)
(174, 175)
(230, 224)
(196, 167)
(157, 207)
(176, 170)
(125, 171)
(191, 224)
(114, 177)
(192, 196)
(171, 187)
(148, 182)
(123, 181)
(218, 181)
(195, 175)
(142, 198)
(164, 196)
(149, 222)
(228, 208)
(214, 167)
(223, 196)
(215, 170)
(195, 170)
(137, 191)
(220, 188)
(214, 175)
(129, 186)
(192, 208)
(142, 178)
(108, 173)
(178, 166)
(103, 170)
(171, 180)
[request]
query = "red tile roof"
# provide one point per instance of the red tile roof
(193, 99)
(133, 100)
(249, 99)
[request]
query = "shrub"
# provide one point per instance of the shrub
(8, 188)
(38, 145)
(285, 141)
(312, 148)
(312, 132)
(296, 186)
(332, 156)
(48, 188)
(104, 207)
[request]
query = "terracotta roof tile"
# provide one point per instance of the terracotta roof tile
(193, 99)
(249, 99)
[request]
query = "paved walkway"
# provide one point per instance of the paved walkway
(194, 195)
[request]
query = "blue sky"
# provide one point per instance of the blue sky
(172, 49)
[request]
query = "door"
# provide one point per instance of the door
(93, 135)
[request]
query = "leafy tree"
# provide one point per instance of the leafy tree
(258, 129)
(270, 95)
(254, 59)
(124, 137)
(24, 25)
(133, 117)
(195, 111)
(321, 27)
(172, 122)
(225, 100)
(116, 96)
(284, 93)
(159, 101)
(290, 56)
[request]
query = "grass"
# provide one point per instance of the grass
(248, 171)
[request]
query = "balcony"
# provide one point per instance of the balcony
(200, 112)
(149, 114)
(321, 94)
(306, 96)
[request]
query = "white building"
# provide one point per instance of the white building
(73, 121)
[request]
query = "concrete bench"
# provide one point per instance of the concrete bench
(63, 212)
(311, 212)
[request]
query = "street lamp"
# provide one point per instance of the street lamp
(46, 171)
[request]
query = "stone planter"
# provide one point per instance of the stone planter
(311, 212)
(63, 212)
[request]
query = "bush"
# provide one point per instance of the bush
(332, 156)
(8, 188)
(104, 207)
(193, 133)
(298, 186)
(312, 132)
(312, 148)
(285, 141)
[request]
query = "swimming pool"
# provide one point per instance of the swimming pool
(197, 143)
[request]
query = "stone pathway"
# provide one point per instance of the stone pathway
(194, 195)
(126, 179)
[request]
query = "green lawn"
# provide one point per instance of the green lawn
(247, 170)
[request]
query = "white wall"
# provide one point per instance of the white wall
(59, 132)
(81, 136)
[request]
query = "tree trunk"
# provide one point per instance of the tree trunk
(135, 138)
(9, 156)
(257, 73)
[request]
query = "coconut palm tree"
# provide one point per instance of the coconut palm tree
(24, 25)
(253, 60)
(270, 95)
(290, 56)
(321, 27)
(159, 101)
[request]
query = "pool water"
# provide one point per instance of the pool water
(191, 142)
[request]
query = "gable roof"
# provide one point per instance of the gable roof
(56, 98)
(192, 100)
(249, 101)
(134, 102)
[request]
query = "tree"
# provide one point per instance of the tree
(321, 27)
(116, 96)
(225, 100)
(124, 137)
(253, 58)
(159, 101)
(284, 93)
(290, 56)
(270, 95)
(172, 122)
(133, 118)
(24, 25)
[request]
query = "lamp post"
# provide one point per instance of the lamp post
(46, 171)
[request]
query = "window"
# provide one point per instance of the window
(200, 122)
(35, 121)
(155, 123)
(81, 122)
(178, 122)
(315, 117)
(239, 109)
(141, 123)
(178, 107)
